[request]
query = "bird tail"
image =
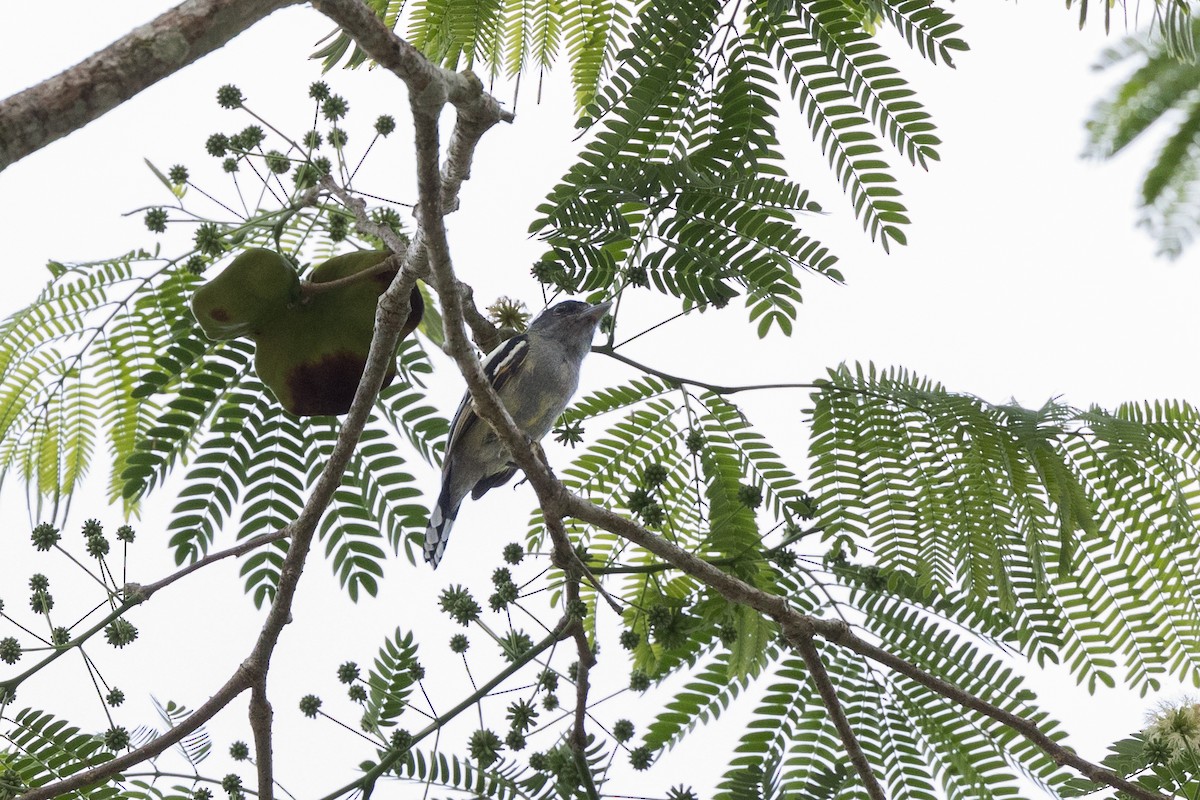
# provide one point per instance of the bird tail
(441, 520)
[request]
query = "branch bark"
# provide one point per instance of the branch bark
(825, 687)
(41, 114)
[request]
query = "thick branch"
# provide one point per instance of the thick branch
(816, 669)
(554, 497)
(261, 717)
(34, 118)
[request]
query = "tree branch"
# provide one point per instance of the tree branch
(367, 781)
(796, 626)
(820, 676)
(261, 717)
(34, 118)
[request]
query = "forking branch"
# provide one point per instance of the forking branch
(477, 112)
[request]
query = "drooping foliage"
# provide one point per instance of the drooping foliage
(1160, 93)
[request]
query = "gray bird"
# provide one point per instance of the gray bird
(534, 375)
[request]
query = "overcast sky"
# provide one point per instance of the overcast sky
(1025, 278)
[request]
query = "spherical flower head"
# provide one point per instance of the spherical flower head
(231, 783)
(60, 636)
(156, 220)
(570, 432)
(41, 602)
(310, 704)
(727, 634)
(251, 137)
(484, 746)
(458, 603)
(202, 794)
(550, 702)
(357, 693)
(239, 751)
(312, 140)
(401, 739)
(515, 645)
(659, 617)
(538, 762)
(115, 697)
(39, 582)
(507, 312)
(318, 90)
(92, 527)
(577, 609)
(636, 276)
(178, 175)
(805, 507)
(652, 515)
(277, 162)
(550, 273)
(389, 217)
(630, 639)
(230, 165)
(45, 536)
(514, 554)
(338, 137)
(548, 680)
(417, 671)
(11, 783)
(521, 715)
(339, 226)
(97, 546)
(638, 500)
(10, 650)
(116, 738)
(385, 125)
(639, 681)
(120, 632)
(126, 534)
(1174, 734)
(750, 495)
(334, 107)
(681, 792)
(217, 145)
(209, 240)
(694, 441)
(622, 730)
(641, 758)
(322, 165)
(514, 741)
(784, 559)
(348, 672)
(459, 643)
(229, 96)
(573, 671)
(654, 475)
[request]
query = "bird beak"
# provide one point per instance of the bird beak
(597, 312)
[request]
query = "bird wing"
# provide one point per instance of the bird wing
(499, 366)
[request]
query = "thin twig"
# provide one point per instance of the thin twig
(387, 761)
(678, 380)
(389, 264)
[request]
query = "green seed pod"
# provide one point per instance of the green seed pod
(253, 290)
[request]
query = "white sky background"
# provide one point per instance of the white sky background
(1025, 278)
